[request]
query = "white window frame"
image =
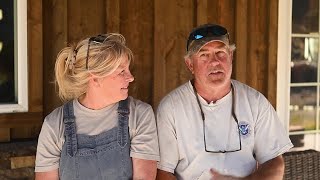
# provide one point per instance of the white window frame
(21, 59)
(283, 66)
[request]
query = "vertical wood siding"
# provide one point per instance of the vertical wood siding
(156, 31)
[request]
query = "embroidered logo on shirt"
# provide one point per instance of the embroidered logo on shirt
(244, 128)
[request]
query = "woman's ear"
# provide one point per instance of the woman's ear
(189, 64)
(94, 81)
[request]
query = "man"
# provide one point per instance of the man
(215, 127)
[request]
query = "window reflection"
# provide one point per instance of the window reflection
(304, 63)
(303, 108)
(7, 70)
(305, 16)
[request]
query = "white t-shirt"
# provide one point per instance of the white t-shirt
(181, 137)
(142, 129)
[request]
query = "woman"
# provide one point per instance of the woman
(100, 132)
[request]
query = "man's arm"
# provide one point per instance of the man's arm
(164, 175)
(272, 169)
(50, 175)
(144, 169)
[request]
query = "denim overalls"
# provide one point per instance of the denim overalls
(102, 156)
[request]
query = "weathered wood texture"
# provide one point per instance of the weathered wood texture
(27, 125)
(156, 31)
(136, 24)
(22, 161)
(173, 21)
(256, 40)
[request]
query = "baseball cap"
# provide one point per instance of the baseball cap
(204, 34)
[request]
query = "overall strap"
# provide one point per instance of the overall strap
(123, 118)
(70, 128)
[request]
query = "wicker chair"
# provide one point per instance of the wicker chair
(302, 165)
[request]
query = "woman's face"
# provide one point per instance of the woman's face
(115, 86)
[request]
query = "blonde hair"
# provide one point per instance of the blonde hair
(72, 75)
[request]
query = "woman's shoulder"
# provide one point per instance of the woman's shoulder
(55, 118)
(136, 103)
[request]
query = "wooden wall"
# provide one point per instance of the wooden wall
(156, 32)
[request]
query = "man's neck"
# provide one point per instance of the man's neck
(212, 94)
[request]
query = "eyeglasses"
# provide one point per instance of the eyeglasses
(203, 119)
(95, 39)
(208, 30)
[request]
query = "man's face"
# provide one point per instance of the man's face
(212, 65)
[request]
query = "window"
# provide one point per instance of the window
(298, 92)
(13, 56)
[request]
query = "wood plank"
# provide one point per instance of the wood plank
(272, 51)
(21, 119)
(223, 12)
(25, 132)
(55, 38)
(35, 56)
(220, 12)
(4, 134)
(170, 45)
(112, 16)
(138, 15)
(22, 161)
(214, 12)
(257, 47)
(201, 12)
(85, 18)
(241, 40)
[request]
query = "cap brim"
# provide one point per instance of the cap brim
(196, 45)
(208, 42)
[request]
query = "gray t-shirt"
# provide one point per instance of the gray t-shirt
(142, 129)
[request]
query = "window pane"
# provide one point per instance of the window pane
(305, 16)
(303, 108)
(303, 141)
(7, 68)
(304, 60)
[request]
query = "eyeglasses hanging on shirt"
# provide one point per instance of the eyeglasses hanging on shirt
(204, 123)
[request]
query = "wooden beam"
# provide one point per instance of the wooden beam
(112, 16)
(35, 56)
(202, 12)
(257, 45)
(272, 51)
(170, 36)
(138, 15)
(55, 33)
(241, 40)
(25, 132)
(22, 161)
(20, 119)
(4, 134)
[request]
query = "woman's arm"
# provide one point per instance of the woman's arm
(50, 175)
(144, 169)
(164, 175)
